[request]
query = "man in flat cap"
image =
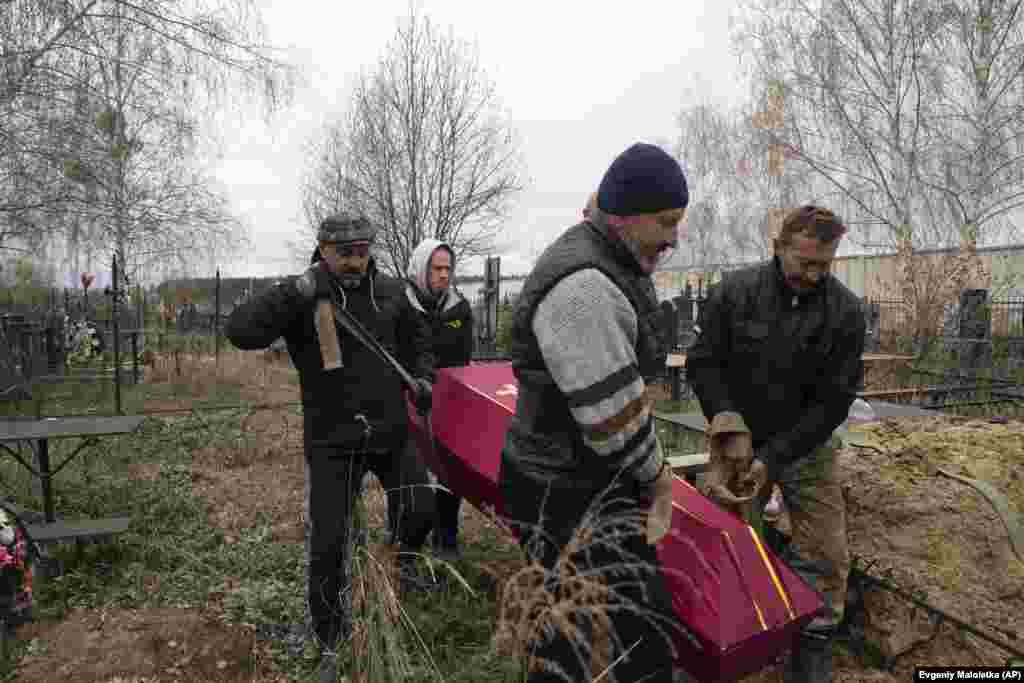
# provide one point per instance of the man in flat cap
(583, 477)
(354, 415)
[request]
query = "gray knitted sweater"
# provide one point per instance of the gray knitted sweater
(587, 329)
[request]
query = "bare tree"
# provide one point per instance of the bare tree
(109, 95)
(737, 183)
(979, 120)
(856, 75)
(423, 151)
(703, 136)
(765, 183)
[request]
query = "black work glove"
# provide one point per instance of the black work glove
(324, 283)
(423, 396)
(316, 283)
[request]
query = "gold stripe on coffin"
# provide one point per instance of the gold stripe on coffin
(771, 570)
(732, 552)
(743, 579)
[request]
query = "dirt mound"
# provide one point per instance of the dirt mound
(156, 645)
(937, 537)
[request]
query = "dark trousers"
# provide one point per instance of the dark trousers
(447, 504)
(446, 527)
(334, 481)
(546, 514)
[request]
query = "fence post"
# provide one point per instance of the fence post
(492, 283)
(1015, 341)
(114, 315)
(140, 316)
(872, 312)
(216, 320)
(51, 347)
(135, 357)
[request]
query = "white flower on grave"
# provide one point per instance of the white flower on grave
(6, 529)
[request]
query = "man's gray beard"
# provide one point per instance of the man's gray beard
(600, 219)
(633, 247)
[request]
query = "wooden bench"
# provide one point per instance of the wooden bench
(98, 530)
(101, 530)
(899, 393)
(83, 531)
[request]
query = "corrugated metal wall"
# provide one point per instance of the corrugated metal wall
(874, 276)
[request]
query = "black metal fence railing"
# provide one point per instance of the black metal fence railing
(891, 323)
(965, 356)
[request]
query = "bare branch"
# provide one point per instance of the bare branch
(422, 151)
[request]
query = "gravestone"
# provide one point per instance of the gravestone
(684, 320)
(491, 294)
(974, 347)
(950, 327)
(975, 318)
(701, 300)
(1015, 352)
(1015, 343)
(669, 326)
(873, 325)
(10, 380)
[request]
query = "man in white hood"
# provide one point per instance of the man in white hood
(450, 318)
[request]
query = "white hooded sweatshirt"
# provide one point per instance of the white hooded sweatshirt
(418, 274)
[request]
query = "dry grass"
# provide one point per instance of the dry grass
(574, 602)
(202, 371)
(534, 604)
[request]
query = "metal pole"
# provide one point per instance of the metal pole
(117, 336)
(135, 356)
(497, 302)
(141, 315)
(216, 320)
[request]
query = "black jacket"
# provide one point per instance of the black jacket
(451, 326)
(790, 365)
(365, 385)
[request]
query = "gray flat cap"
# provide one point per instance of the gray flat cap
(344, 228)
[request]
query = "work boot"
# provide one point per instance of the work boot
(327, 672)
(811, 658)
(446, 546)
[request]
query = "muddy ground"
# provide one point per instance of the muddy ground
(925, 531)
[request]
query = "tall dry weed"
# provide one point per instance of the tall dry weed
(384, 636)
(574, 601)
(201, 372)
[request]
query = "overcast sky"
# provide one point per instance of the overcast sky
(580, 82)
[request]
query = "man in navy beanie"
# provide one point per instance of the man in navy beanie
(583, 477)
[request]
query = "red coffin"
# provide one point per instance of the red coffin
(742, 603)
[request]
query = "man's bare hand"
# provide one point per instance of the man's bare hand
(659, 517)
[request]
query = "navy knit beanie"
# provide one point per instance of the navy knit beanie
(643, 179)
